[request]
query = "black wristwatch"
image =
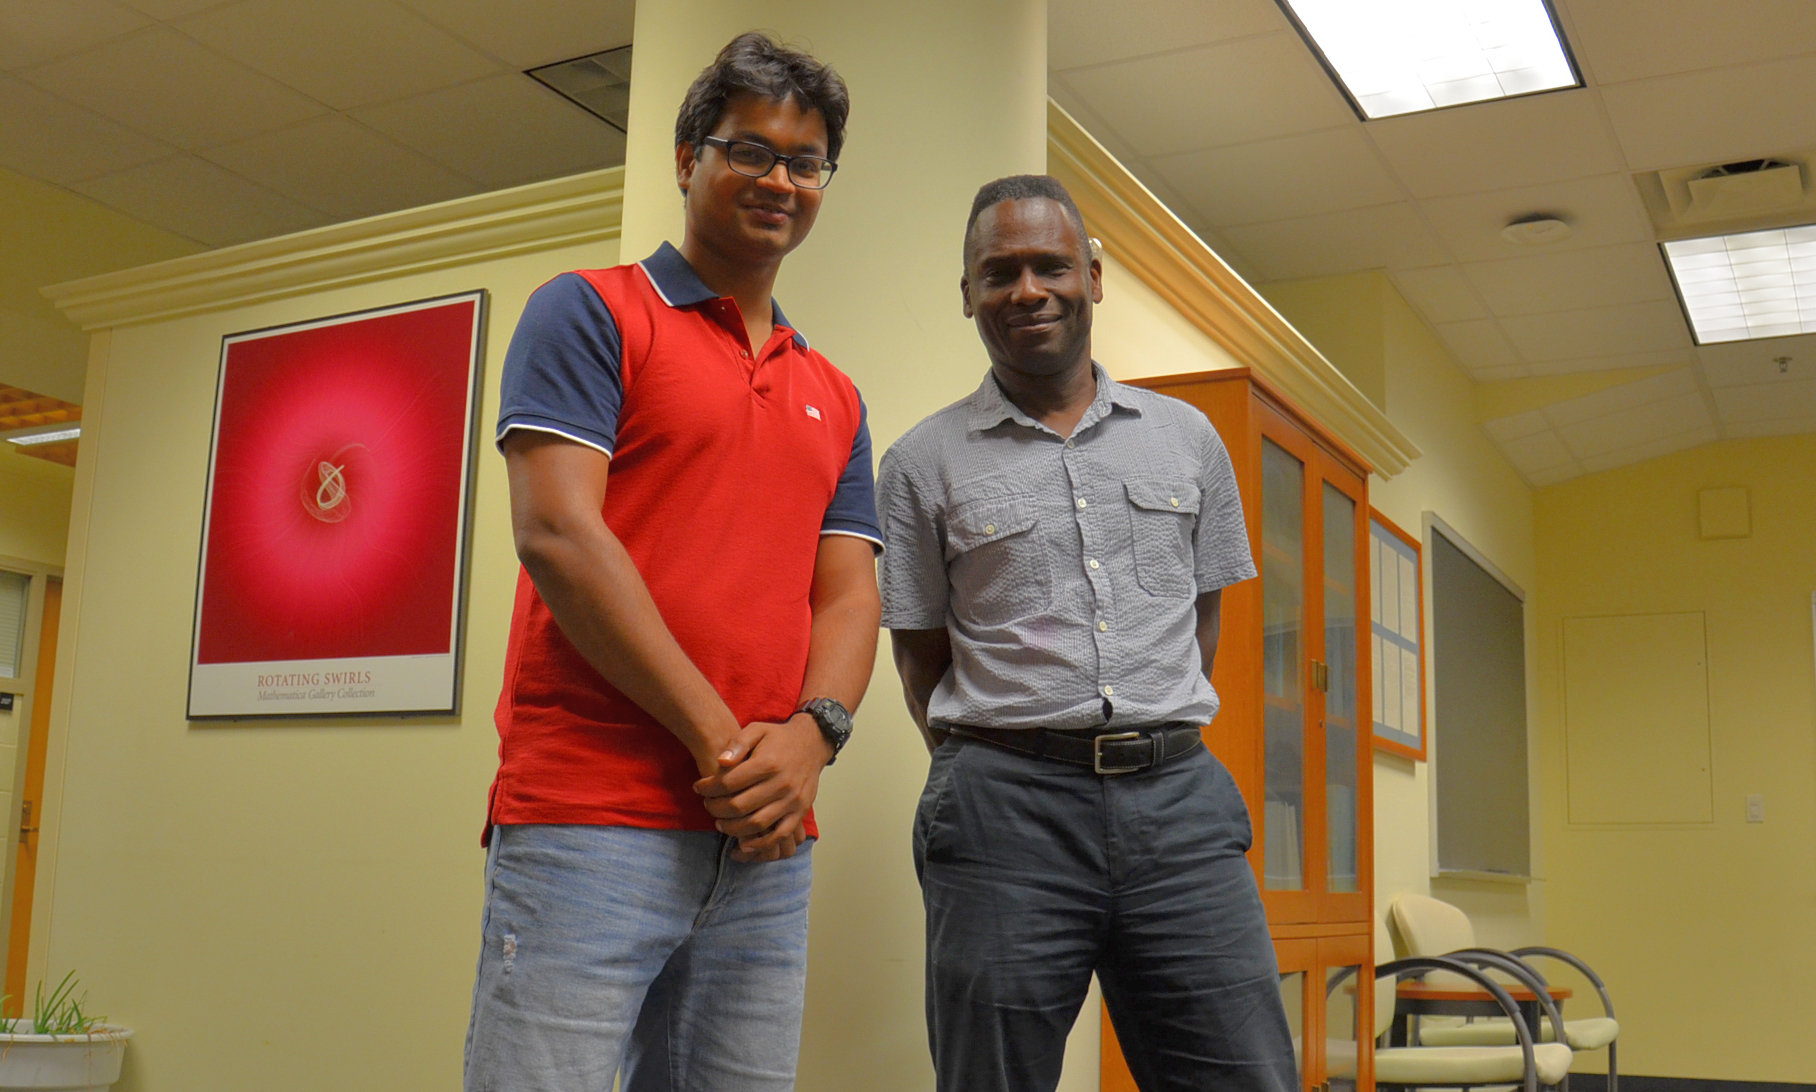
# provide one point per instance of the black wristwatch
(834, 721)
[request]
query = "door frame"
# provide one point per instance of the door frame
(25, 686)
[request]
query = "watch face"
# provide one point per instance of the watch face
(833, 719)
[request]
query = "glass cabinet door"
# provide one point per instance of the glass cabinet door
(1342, 756)
(1282, 657)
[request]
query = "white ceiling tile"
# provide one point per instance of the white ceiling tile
(49, 139)
(1632, 39)
(1599, 331)
(167, 86)
(36, 31)
(503, 131)
(1766, 402)
(172, 9)
(345, 53)
(1498, 145)
(1784, 426)
(1612, 363)
(1588, 407)
(1385, 236)
(1478, 344)
(341, 167)
(559, 29)
(1601, 210)
(1733, 362)
(1211, 96)
(1651, 449)
(1555, 475)
(1090, 120)
(197, 199)
(1518, 426)
(1440, 294)
(1539, 451)
(1299, 175)
(1631, 428)
(1603, 277)
(1499, 373)
(1715, 116)
(1082, 32)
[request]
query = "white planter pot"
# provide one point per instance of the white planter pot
(66, 1063)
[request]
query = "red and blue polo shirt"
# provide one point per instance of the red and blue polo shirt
(728, 463)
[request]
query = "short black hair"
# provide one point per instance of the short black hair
(1021, 187)
(756, 63)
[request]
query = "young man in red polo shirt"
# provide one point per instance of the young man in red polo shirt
(687, 644)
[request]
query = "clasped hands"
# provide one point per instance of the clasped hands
(765, 780)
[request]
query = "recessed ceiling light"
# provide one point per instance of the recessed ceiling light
(56, 437)
(599, 83)
(1751, 285)
(1403, 56)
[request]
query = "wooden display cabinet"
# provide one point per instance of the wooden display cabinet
(1294, 728)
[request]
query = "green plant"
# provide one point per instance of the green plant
(62, 1013)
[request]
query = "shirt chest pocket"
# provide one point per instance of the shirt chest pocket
(1164, 517)
(998, 567)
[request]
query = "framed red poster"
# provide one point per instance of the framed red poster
(334, 536)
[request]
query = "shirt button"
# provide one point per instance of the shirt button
(989, 528)
(1070, 444)
(1109, 691)
(745, 353)
(1081, 502)
(1103, 627)
(1175, 501)
(1094, 564)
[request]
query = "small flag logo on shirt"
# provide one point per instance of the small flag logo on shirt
(814, 412)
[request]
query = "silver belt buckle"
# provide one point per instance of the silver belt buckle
(1097, 743)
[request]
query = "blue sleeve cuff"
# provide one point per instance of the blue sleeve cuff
(853, 507)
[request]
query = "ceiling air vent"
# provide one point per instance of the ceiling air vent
(599, 83)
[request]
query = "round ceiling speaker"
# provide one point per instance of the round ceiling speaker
(1541, 230)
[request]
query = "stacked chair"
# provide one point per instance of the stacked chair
(1430, 929)
(1531, 1065)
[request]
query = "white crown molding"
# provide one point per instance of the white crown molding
(579, 209)
(1143, 234)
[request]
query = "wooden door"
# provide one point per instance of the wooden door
(31, 808)
(1346, 1014)
(1344, 679)
(1288, 824)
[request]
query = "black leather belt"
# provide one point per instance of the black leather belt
(1107, 753)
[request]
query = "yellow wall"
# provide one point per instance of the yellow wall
(1704, 933)
(52, 235)
(1135, 333)
(1368, 331)
(34, 507)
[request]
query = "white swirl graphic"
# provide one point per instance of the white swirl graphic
(324, 488)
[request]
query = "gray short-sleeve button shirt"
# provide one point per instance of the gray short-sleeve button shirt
(1065, 570)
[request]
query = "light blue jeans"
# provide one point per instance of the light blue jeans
(647, 951)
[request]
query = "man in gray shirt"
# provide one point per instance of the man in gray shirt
(1057, 544)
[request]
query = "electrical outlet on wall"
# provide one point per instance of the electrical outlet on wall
(1756, 808)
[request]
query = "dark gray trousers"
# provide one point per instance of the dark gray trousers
(1035, 874)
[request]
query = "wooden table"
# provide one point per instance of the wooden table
(1415, 999)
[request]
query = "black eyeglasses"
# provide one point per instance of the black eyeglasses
(810, 172)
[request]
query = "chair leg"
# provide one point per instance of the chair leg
(1614, 1075)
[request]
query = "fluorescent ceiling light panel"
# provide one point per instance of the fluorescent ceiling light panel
(1752, 285)
(1404, 56)
(599, 83)
(56, 437)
